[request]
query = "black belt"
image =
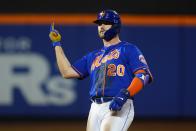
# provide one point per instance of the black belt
(100, 100)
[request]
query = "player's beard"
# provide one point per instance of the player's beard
(101, 33)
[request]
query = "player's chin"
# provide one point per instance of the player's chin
(101, 35)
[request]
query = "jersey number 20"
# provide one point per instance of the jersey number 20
(114, 70)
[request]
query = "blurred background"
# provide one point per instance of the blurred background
(33, 96)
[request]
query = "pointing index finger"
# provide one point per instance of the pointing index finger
(52, 27)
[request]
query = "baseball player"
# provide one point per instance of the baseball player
(117, 72)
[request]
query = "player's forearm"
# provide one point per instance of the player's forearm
(139, 81)
(135, 86)
(62, 61)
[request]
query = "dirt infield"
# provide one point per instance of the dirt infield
(138, 125)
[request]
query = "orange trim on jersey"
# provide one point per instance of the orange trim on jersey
(139, 71)
(86, 19)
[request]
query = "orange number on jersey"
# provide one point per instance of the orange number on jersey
(112, 70)
(120, 70)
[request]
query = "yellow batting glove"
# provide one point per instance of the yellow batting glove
(54, 36)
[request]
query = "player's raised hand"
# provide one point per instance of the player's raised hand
(119, 100)
(54, 36)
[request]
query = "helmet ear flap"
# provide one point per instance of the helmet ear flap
(117, 27)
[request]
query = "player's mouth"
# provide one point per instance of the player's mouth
(102, 32)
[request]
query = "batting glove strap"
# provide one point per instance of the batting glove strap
(56, 44)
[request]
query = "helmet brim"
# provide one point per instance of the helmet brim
(103, 22)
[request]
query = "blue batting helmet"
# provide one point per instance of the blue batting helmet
(110, 17)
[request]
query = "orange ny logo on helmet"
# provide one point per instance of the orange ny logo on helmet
(102, 14)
